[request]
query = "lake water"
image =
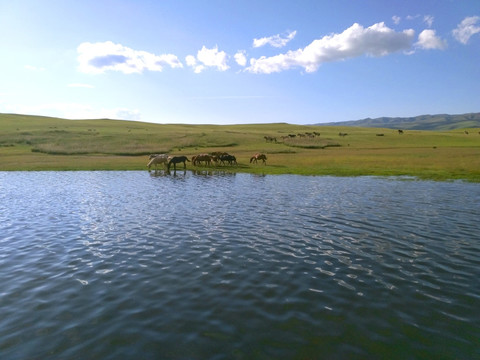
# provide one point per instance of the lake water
(129, 265)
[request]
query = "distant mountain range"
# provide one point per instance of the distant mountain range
(422, 122)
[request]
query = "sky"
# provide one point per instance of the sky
(238, 62)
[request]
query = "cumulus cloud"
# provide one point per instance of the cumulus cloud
(241, 58)
(466, 29)
(429, 40)
(208, 58)
(276, 40)
(376, 40)
(396, 19)
(192, 62)
(96, 58)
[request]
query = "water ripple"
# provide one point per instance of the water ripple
(115, 264)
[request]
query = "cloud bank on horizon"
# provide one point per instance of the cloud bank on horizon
(376, 40)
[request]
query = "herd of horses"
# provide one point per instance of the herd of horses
(216, 158)
(223, 158)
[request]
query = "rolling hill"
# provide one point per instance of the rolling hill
(421, 122)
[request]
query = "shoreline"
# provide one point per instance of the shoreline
(49, 144)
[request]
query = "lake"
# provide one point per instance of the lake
(215, 265)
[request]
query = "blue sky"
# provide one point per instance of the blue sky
(232, 62)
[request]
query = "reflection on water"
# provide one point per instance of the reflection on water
(211, 264)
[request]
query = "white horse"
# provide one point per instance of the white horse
(159, 159)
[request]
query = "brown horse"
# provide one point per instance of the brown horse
(176, 160)
(158, 159)
(207, 159)
(257, 157)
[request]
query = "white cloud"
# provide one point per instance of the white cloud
(190, 60)
(96, 58)
(275, 40)
(396, 19)
(428, 19)
(241, 58)
(208, 58)
(466, 29)
(77, 85)
(429, 40)
(376, 40)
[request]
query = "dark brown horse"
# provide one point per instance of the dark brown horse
(176, 160)
(257, 157)
(229, 159)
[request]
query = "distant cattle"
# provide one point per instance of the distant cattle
(400, 131)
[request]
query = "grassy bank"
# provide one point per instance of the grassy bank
(40, 143)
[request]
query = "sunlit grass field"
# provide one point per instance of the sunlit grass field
(42, 143)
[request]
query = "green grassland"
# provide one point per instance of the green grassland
(43, 143)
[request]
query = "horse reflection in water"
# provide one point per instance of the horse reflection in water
(176, 160)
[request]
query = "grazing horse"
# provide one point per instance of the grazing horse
(257, 157)
(207, 159)
(177, 159)
(230, 159)
(270, 139)
(158, 159)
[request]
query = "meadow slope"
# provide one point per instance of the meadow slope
(44, 143)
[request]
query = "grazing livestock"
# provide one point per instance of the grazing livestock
(400, 131)
(270, 139)
(207, 159)
(157, 159)
(257, 157)
(229, 159)
(176, 160)
(342, 134)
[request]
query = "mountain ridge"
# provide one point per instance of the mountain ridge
(420, 122)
